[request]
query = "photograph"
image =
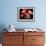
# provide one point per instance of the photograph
(26, 13)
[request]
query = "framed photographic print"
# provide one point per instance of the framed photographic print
(26, 14)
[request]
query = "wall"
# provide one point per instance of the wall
(8, 13)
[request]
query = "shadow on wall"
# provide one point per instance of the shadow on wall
(2, 27)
